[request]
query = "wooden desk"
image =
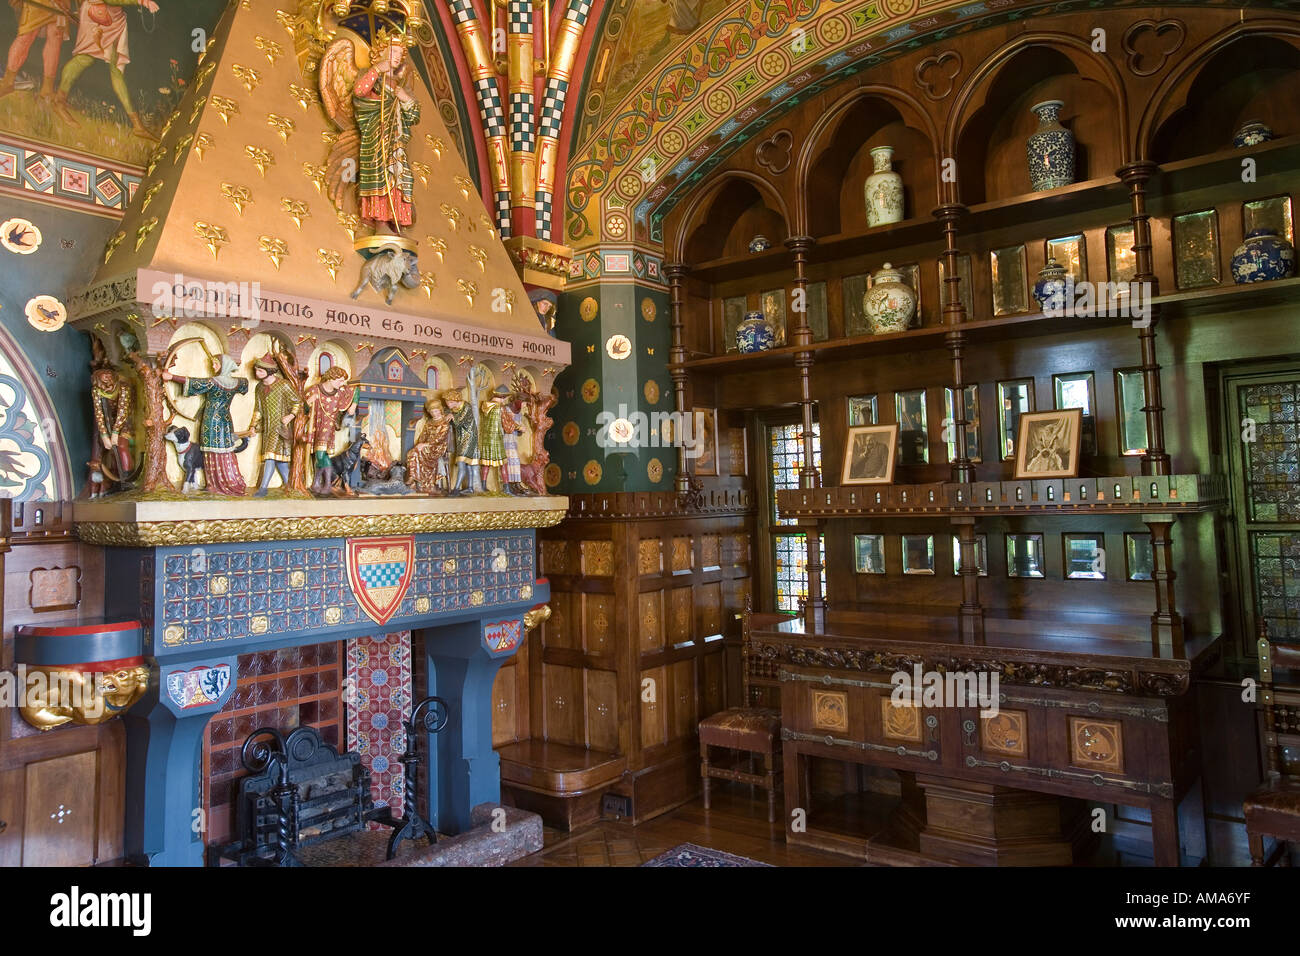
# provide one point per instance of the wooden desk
(1097, 717)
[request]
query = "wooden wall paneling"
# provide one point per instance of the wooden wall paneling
(655, 704)
(564, 704)
(60, 811)
(505, 707)
(602, 710)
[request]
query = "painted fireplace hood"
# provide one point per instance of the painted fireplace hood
(235, 202)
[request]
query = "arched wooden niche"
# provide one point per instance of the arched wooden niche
(1250, 77)
(728, 214)
(993, 117)
(837, 160)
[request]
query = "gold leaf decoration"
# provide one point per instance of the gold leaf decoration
(331, 260)
(508, 296)
(305, 95)
(329, 136)
(464, 184)
(142, 233)
(202, 143)
(316, 174)
(213, 236)
(198, 108)
(261, 158)
(487, 224)
(428, 282)
(435, 144)
(155, 158)
(275, 249)
(479, 255)
(453, 214)
(239, 196)
(167, 126)
(272, 49)
(423, 170)
(246, 75)
(205, 71)
(150, 191)
(297, 209)
(225, 106)
(470, 289)
(439, 246)
(350, 222)
(285, 19)
(114, 241)
(281, 124)
(181, 146)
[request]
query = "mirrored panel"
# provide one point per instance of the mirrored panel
(869, 553)
(972, 422)
(1014, 399)
(1070, 252)
(1121, 260)
(1196, 249)
(854, 288)
(773, 303)
(733, 313)
(817, 318)
(1130, 399)
(918, 554)
(981, 553)
(1010, 289)
(913, 437)
(1025, 556)
(1084, 556)
(1078, 390)
(966, 285)
(1272, 213)
(1139, 556)
(863, 410)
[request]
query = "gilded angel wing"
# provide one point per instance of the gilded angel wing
(338, 74)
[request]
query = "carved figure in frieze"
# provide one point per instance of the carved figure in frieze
(111, 405)
(465, 428)
(278, 402)
(330, 400)
(388, 269)
(494, 421)
(535, 407)
(426, 462)
(157, 418)
(217, 438)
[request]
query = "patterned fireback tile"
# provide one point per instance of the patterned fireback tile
(377, 693)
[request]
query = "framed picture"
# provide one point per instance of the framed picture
(869, 459)
(706, 462)
(1048, 444)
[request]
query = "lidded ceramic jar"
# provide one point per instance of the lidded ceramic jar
(754, 334)
(883, 189)
(1264, 256)
(890, 303)
(1050, 288)
(1252, 133)
(1050, 149)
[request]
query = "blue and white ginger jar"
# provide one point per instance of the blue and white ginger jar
(1264, 256)
(1050, 288)
(1252, 134)
(754, 334)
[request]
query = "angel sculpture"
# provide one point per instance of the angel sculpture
(374, 110)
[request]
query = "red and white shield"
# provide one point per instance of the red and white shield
(380, 571)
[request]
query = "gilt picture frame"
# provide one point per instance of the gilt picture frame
(1047, 445)
(863, 448)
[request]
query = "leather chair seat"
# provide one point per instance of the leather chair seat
(742, 728)
(1278, 797)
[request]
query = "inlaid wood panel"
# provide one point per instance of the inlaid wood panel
(683, 558)
(713, 684)
(559, 631)
(597, 558)
(602, 710)
(655, 706)
(685, 703)
(679, 623)
(650, 620)
(60, 811)
(709, 597)
(597, 623)
(649, 556)
(11, 811)
(710, 550)
(505, 713)
(563, 700)
(559, 557)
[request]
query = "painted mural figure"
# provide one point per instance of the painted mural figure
(49, 21)
(217, 437)
(426, 462)
(277, 405)
(111, 404)
(330, 399)
(102, 35)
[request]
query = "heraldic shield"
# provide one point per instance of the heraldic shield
(380, 571)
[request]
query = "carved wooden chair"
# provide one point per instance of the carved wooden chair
(753, 731)
(1274, 809)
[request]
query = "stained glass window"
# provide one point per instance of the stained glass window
(1277, 582)
(790, 550)
(1273, 458)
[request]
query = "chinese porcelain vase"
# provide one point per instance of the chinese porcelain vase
(1049, 290)
(1264, 256)
(1252, 134)
(890, 303)
(755, 334)
(1050, 149)
(759, 243)
(883, 190)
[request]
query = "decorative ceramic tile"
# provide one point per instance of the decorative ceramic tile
(377, 694)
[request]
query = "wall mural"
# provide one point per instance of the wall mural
(30, 444)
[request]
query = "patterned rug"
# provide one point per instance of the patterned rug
(688, 854)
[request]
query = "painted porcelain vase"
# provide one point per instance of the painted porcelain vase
(890, 303)
(1252, 134)
(755, 334)
(1049, 290)
(1264, 256)
(1050, 149)
(759, 243)
(883, 190)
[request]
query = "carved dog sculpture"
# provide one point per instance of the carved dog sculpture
(384, 271)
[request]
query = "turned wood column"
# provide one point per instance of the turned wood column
(1135, 176)
(809, 477)
(970, 616)
(1166, 624)
(676, 273)
(954, 316)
